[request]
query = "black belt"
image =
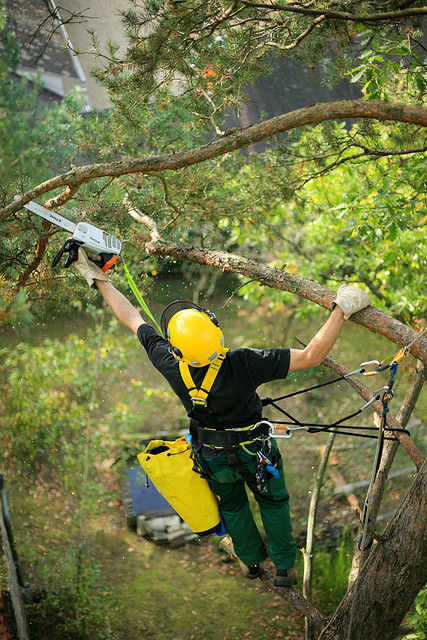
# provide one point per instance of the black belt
(225, 439)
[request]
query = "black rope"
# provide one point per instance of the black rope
(267, 401)
(333, 427)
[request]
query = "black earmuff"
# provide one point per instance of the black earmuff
(177, 352)
(212, 317)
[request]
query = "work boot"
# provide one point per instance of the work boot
(253, 572)
(285, 577)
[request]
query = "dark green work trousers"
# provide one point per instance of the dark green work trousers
(230, 488)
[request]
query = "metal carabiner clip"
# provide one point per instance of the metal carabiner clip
(369, 373)
(375, 398)
(288, 433)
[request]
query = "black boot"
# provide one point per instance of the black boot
(253, 572)
(285, 577)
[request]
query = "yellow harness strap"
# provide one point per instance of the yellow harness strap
(199, 396)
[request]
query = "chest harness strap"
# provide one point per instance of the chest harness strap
(199, 396)
(205, 428)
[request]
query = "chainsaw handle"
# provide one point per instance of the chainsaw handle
(72, 248)
(102, 260)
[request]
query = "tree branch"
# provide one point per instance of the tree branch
(308, 552)
(293, 597)
(392, 576)
(39, 251)
(365, 393)
(387, 457)
(343, 15)
(299, 38)
(240, 139)
(371, 318)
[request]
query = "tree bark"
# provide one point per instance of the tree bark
(290, 595)
(393, 574)
(240, 139)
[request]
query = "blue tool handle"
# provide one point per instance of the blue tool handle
(274, 472)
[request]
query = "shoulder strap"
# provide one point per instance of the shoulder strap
(199, 396)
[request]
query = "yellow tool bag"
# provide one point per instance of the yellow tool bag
(170, 468)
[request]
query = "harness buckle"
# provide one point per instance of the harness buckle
(199, 402)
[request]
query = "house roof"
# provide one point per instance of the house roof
(42, 44)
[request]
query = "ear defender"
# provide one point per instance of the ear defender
(177, 353)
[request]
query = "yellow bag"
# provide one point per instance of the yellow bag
(170, 468)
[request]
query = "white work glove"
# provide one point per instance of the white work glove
(351, 299)
(88, 269)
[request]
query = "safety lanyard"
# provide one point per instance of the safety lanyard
(199, 395)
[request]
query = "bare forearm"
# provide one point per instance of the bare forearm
(120, 305)
(320, 345)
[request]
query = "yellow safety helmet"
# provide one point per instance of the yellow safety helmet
(193, 333)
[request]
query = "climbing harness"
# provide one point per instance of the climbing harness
(210, 437)
(199, 395)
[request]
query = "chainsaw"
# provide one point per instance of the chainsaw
(105, 247)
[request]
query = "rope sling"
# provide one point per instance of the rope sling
(338, 426)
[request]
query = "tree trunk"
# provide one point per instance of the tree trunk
(391, 577)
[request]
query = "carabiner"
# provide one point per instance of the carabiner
(369, 373)
(288, 433)
(375, 398)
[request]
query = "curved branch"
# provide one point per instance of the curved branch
(371, 318)
(343, 15)
(299, 38)
(240, 139)
(39, 251)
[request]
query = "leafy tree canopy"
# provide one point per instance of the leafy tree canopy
(334, 201)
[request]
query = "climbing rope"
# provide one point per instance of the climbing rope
(139, 297)
(384, 394)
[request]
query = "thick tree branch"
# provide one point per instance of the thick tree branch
(240, 139)
(401, 14)
(371, 318)
(392, 575)
(293, 597)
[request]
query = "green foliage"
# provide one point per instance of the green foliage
(388, 68)
(331, 570)
(77, 604)
(50, 396)
(267, 205)
(418, 617)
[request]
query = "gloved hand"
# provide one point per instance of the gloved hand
(88, 269)
(351, 299)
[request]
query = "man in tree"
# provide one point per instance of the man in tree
(218, 389)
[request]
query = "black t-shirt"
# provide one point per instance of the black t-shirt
(233, 396)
